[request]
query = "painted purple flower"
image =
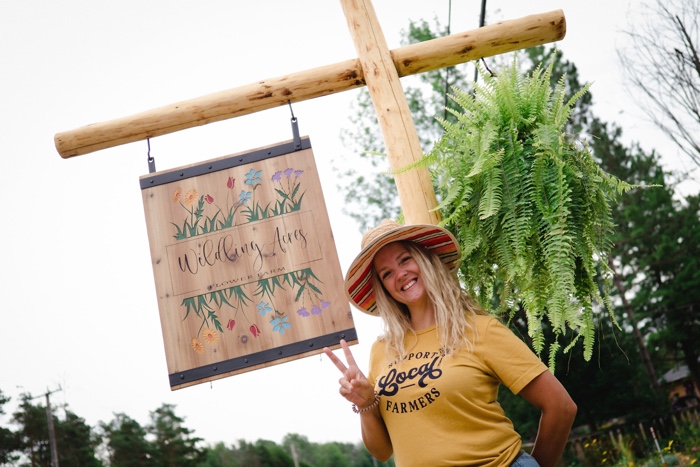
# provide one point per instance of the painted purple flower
(276, 177)
(289, 172)
(325, 304)
(297, 173)
(315, 310)
(302, 312)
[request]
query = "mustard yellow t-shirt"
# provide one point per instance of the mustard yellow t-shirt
(442, 410)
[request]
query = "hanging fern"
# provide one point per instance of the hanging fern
(530, 206)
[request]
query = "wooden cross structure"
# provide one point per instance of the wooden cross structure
(377, 67)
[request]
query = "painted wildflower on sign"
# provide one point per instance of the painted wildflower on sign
(210, 336)
(176, 195)
(197, 346)
(316, 309)
(190, 224)
(309, 291)
(287, 188)
(244, 197)
(253, 177)
(209, 306)
(191, 197)
(280, 324)
(264, 308)
(253, 211)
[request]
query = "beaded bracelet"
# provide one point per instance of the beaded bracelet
(369, 407)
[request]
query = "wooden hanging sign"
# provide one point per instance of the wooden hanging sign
(244, 261)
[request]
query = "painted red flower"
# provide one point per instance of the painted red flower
(231, 324)
(231, 183)
(254, 330)
(209, 199)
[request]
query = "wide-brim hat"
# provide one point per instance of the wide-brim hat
(358, 280)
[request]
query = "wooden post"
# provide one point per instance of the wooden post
(400, 137)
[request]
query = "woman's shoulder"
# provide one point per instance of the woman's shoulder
(485, 321)
(488, 327)
(379, 345)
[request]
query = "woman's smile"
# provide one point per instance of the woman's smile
(400, 274)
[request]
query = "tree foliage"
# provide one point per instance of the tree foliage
(657, 246)
(76, 441)
(663, 64)
(174, 443)
(164, 442)
(126, 443)
(9, 440)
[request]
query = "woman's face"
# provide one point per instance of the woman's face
(400, 274)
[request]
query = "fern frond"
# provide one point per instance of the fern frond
(490, 202)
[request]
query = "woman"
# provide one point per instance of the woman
(430, 397)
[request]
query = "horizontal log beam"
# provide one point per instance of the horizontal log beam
(495, 39)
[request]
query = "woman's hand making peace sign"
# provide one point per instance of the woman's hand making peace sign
(354, 386)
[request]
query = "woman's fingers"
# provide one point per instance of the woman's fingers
(348, 354)
(336, 361)
(353, 385)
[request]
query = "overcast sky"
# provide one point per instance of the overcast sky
(79, 305)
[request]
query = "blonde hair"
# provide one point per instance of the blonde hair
(454, 308)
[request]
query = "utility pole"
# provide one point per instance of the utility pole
(52, 431)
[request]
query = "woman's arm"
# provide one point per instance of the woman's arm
(558, 412)
(355, 387)
(375, 436)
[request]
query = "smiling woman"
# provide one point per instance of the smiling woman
(399, 273)
(441, 361)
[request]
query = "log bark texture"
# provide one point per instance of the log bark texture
(403, 147)
(498, 38)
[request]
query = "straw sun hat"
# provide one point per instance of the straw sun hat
(358, 280)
